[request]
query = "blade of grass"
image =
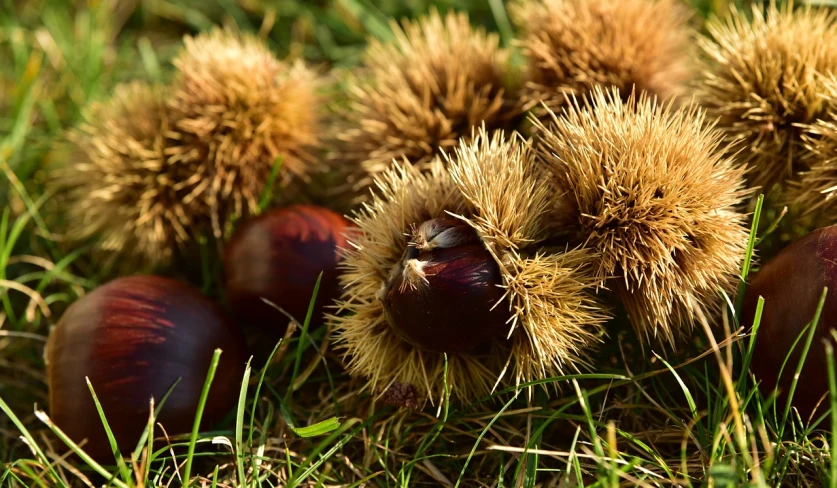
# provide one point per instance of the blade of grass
(832, 398)
(120, 462)
(258, 390)
(482, 434)
(315, 454)
(30, 441)
(239, 424)
(498, 10)
(85, 458)
(267, 194)
(805, 349)
(748, 257)
(748, 354)
(187, 471)
(147, 437)
(319, 428)
(371, 19)
(685, 389)
(302, 335)
(149, 59)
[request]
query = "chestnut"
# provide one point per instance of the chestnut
(278, 256)
(792, 284)
(134, 337)
(445, 294)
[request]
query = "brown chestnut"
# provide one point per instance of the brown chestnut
(445, 294)
(792, 284)
(134, 337)
(278, 256)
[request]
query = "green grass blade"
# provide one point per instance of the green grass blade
(498, 10)
(120, 462)
(147, 437)
(320, 428)
(258, 391)
(688, 394)
(187, 471)
(30, 441)
(479, 438)
(301, 344)
(239, 425)
(832, 398)
(748, 257)
(267, 193)
(85, 458)
(751, 344)
(315, 454)
(812, 330)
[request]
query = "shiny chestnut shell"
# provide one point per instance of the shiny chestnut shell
(791, 284)
(454, 311)
(278, 256)
(134, 337)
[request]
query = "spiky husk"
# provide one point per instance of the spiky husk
(438, 80)
(492, 186)
(648, 188)
(119, 184)
(575, 45)
(816, 191)
(238, 110)
(763, 82)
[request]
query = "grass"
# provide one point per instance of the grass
(649, 418)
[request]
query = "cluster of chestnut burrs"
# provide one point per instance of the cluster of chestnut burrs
(501, 215)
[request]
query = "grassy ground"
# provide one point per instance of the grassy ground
(693, 418)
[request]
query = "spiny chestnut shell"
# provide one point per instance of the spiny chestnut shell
(791, 284)
(278, 256)
(134, 337)
(454, 311)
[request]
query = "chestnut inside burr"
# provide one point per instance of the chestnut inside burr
(445, 294)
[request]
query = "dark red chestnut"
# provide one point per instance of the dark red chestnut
(278, 256)
(134, 337)
(791, 284)
(445, 294)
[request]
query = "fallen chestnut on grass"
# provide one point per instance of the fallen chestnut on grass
(445, 294)
(278, 256)
(792, 284)
(133, 338)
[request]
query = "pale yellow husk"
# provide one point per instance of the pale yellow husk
(119, 185)
(575, 45)
(493, 186)
(763, 81)
(433, 84)
(240, 111)
(648, 188)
